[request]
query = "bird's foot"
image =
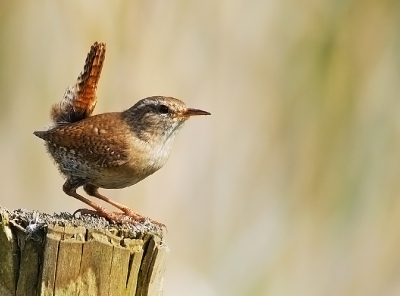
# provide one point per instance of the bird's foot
(141, 218)
(127, 217)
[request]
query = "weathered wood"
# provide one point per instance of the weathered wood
(63, 255)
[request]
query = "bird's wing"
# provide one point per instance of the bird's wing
(91, 140)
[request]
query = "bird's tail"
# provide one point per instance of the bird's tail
(79, 100)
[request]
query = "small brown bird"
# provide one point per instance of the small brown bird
(110, 150)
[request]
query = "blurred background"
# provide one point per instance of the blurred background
(291, 187)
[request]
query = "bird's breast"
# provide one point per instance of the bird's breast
(149, 157)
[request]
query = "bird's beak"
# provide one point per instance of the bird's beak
(193, 112)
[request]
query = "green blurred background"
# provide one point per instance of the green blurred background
(291, 187)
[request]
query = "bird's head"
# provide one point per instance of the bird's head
(159, 117)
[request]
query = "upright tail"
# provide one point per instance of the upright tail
(79, 100)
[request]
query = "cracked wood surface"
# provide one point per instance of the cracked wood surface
(62, 255)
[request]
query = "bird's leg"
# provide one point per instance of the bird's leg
(93, 191)
(70, 189)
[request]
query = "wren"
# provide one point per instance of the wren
(110, 150)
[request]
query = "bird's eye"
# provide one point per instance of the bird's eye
(163, 109)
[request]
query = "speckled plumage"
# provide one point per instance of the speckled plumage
(110, 150)
(116, 150)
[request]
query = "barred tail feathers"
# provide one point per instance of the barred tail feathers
(80, 100)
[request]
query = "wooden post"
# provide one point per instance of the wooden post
(42, 254)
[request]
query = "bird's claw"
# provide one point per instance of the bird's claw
(115, 217)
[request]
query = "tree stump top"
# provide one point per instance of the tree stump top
(34, 221)
(59, 254)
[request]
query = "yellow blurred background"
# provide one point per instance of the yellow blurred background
(291, 187)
